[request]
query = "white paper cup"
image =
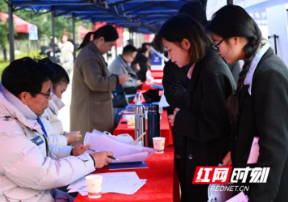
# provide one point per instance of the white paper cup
(131, 121)
(94, 185)
(159, 144)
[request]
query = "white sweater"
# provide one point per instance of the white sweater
(54, 128)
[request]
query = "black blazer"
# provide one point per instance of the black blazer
(235, 70)
(205, 117)
(265, 114)
(142, 61)
(175, 83)
(204, 122)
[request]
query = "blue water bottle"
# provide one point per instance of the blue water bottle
(153, 123)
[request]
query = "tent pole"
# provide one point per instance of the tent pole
(74, 36)
(229, 2)
(53, 33)
(11, 31)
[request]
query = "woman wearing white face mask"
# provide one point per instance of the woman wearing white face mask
(56, 134)
(204, 121)
(259, 106)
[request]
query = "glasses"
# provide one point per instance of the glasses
(47, 95)
(216, 46)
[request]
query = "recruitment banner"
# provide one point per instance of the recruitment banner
(33, 32)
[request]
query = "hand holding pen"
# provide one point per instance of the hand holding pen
(102, 158)
(111, 157)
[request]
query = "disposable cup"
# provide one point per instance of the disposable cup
(94, 185)
(159, 144)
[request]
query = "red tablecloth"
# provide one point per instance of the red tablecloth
(157, 74)
(165, 129)
(146, 87)
(160, 185)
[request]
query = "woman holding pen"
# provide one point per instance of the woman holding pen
(259, 106)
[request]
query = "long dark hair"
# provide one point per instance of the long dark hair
(108, 32)
(60, 74)
(182, 27)
(231, 21)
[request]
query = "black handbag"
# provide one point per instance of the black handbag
(119, 95)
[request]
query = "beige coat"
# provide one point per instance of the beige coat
(91, 103)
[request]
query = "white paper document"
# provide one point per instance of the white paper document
(123, 151)
(241, 197)
(115, 182)
(254, 151)
(163, 102)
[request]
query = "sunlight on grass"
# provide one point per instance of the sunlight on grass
(4, 64)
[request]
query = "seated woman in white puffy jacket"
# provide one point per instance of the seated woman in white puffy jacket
(29, 169)
(60, 81)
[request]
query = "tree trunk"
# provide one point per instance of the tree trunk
(5, 53)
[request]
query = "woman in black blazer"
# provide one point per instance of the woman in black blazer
(203, 120)
(259, 108)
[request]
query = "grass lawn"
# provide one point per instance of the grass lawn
(4, 64)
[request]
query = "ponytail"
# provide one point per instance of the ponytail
(231, 21)
(108, 32)
(86, 40)
(250, 50)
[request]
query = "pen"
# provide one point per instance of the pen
(112, 157)
(92, 150)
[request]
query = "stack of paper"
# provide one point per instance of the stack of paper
(241, 197)
(121, 182)
(125, 152)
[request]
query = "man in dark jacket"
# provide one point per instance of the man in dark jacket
(121, 65)
(141, 60)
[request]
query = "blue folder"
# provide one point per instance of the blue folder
(132, 165)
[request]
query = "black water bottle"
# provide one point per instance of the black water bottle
(153, 123)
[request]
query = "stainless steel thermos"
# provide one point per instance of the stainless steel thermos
(140, 119)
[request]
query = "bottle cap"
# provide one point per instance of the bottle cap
(138, 99)
(153, 107)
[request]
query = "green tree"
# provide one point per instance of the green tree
(3, 31)
(44, 23)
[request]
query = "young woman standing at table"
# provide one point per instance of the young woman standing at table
(91, 103)
(259, 106)
(204, 121)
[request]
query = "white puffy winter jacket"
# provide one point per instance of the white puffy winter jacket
(54, 128)
(27, 173)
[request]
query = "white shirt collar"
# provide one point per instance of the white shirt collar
(253, 66)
